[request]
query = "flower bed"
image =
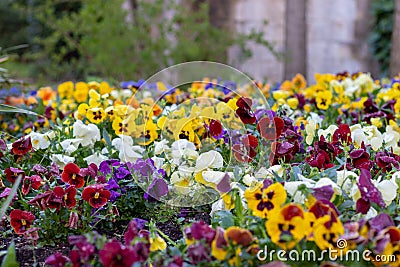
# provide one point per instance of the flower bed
(292, 174)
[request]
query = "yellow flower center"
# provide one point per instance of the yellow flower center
(96, 196)
(73, 177)
(23, 222)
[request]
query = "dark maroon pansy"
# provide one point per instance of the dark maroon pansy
(387, 161)
(215, 128)
(21, 220)
(369, 193)
(342, 134)
(57, 260)
(22, 146)
(270, 129)
(244, 111)
(13, 173)
(115, 254)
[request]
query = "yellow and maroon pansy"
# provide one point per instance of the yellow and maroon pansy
(264, 199)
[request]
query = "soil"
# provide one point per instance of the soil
(29, 255)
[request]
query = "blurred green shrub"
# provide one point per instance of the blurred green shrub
(380, 39)
(99, 38)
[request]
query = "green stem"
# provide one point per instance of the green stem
(166, 237)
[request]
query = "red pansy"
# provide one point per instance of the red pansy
(21, 220)
(96, 195)
(22, 146)
(270, 129)
(67, 196)
(244, 111)
(215, 128)
(33, 181)
(245, 152)
(71, 175)
(13, 173)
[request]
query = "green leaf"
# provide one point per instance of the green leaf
(106, 137)
(10, 196)
(10, 260)
(11, 109)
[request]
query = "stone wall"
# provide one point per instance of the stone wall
(315, 35)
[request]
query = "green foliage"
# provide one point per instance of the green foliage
(13, 25)
(100, 38)
(380, 39)
(10, 260)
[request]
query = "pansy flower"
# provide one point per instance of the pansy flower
(244, 110)
(96, 115)
(13, 173)
(327, 228)
(29, 182)
(21, 220)
(22, 146)
(71, 175)
(360, 158)
(115, 254)
(288, 226)
(198, 231)
(67, 196)
(264, 198)
(342, 134)
(369, 193)
(215, 128)
(96, 195)
(245, 151)
(270, 129)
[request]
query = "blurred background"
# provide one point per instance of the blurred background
(45, 41)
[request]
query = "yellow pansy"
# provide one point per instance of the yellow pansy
(287, 226)
(262, 200)
(65, 90)
(81, 92)
(122, 126)
(96, 115)
(324, 99)
(157, 243)
(105, 88)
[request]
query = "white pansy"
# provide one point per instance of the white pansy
(87, 133)
(211, 159)
(388, 190)
(96, 158)
(214, 177)
(61, 160)
(372, 213)
(160, 147)
(315, 117)
(249, 180)
(346, 179)
(263, 173)
(70, 145)
(328, 131)
(311, 127)
(217, 206)
(374, 137)
(292, 189)
(183, 149)
(40, 141)
(391, 137)
(126, 93)
(127, 151)
(158, 162)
